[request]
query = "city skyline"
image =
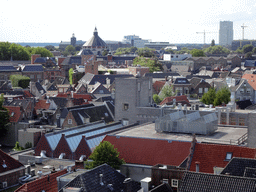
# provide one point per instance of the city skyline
(173, 22)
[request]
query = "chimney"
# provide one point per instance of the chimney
(127, 185)
(79, 164)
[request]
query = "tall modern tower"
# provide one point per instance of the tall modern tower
(226, 33)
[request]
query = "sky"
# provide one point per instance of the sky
(163, 20)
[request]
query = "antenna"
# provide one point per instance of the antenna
(243, 31)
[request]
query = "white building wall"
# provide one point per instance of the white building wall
(226, 33)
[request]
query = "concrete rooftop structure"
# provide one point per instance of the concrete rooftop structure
(223, 135)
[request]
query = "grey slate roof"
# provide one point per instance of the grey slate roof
(161, 75)
(112, 180)
(240, 167)
(59, 101)
(197, 182)
(40, 88)
(7, 68)
(92, 79)
(95, 41)
(44, 59)
(72, 60)
(34, 67)
(85, 52)
(164, 187)
(250, 63)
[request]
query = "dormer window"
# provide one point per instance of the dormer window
(229, 156)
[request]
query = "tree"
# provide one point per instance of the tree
(71, 49)
(197, 53)
(213, 43)
(13, 51)
(208, 98)
(70, 72)
(40, 50)
(183, 50)
(4, 117)
(146, 52)
(254, 50)
(20, 81)
(105, 153)
(211, 97)
(166, 91)
(222, 96)
(247, 48)
(248, 55)
(217, 49)
(105, 52)
(157, 99)
(49, 47)
(152, 63)
(239, 50)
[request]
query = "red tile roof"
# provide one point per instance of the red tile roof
(43, 183)
(76, 96)
(41, 104)
(148, 151)
(157, 86)
(28, 94)
(211, 155)
(10, 162)
(15, 112)
(182, 98)
(251, 78)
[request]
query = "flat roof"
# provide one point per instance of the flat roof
(223, 135)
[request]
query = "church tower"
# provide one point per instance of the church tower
(73, 40)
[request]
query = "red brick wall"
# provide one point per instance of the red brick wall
(62, 147)
(37, 137)
(60, 60)
(65, 123)
(82, 149)
(43, 145)
(12, 178)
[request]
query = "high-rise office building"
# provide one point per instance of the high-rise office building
(226, 33)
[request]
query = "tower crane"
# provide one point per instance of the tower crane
(242, 34)
(204, 35)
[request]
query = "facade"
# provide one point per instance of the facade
(176, 57)
(158, 45)
(226, 33)
(137, 92)
(136, 41)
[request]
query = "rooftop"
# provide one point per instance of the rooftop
(223, 135)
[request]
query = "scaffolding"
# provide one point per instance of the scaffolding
(177, 122)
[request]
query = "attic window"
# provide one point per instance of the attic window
(106, 114)
(12, 114)
(4, 165)
(229, 156)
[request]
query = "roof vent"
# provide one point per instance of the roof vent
(101, 182)
(39, 173)
(4, 165)
(62, 155)
(110, 186)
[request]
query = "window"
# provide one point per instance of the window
(70, 121)
(57, 116)
(39, 76)
(242, 90)
(125, 106)
(174, 182)
(205, 90)
(32, 76)
(248, 90)
(200, 90)
(229, 156)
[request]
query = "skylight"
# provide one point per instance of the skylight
(229, 156)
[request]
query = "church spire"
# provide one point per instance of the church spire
(95, 33)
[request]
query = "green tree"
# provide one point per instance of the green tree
(152, 63)
(146, 52)
(4, 117)
(157, 99)
(183, 50)
(105, 153)
(197, 53)
(217, 49)
(105, 52)
(248, 55)
(213, 43)
(208, 98)
(222, 96)
(20, 81)
(71, 49)
(133, 49)
(70, 72)
(40, 50)
(166, 91)
(247, 48)
(17, 147)
(50, 47)
(169, 51)
(254, 50)
(239, 50)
